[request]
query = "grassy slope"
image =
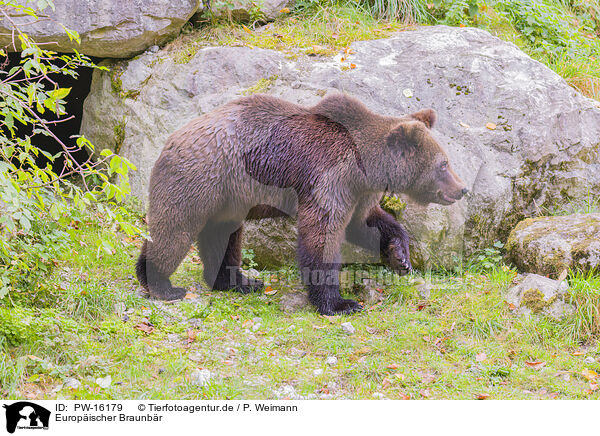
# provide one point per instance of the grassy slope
(463, 343)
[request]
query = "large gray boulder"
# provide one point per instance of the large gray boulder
(549, 245)
(535, 294)
(108, 28)
(516, 132)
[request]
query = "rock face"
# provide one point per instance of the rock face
(516, 133)
(548, 245)
(108, 28)
(539, 295)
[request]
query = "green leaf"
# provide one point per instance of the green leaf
(59, 93)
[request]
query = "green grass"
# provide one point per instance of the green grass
(461, 343)
(323, 30)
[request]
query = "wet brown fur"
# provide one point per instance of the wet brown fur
(261, 156)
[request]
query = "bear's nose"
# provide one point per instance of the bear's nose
(464, 191)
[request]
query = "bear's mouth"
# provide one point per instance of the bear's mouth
(445, 199)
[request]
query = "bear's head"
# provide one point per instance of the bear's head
(418, 164)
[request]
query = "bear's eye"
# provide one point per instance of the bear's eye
(444, 166)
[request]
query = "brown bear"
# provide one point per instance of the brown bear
(261, 156)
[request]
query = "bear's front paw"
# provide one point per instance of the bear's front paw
(397, 256)
(341, 307)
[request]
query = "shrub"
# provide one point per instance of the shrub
(39, 203)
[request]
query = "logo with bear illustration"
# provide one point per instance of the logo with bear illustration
(26, 415)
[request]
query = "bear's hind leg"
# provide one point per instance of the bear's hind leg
(220, 247)
(158, 260)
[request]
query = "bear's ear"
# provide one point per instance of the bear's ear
(426, 116)
(405, 135)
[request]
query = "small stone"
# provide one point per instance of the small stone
(424, 290)
(317, 372)
(200, 377)
(331, 360)
(348, 328)
(589, 360)
(293, 302)
(154, 49)
(72, 383)
(253, 273)
(104, 382)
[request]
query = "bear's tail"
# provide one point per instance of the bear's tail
(140, 267)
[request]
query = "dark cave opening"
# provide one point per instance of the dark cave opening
(64, 130)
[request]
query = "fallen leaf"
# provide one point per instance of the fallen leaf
(235, 317)
(426, 338)
(425, 393)
(428, 378)
(375, 306)
(392, 366)
(319, 327)
(190, 296)
(593, 386)
(191, 336)
(247, 324)
(535, 364)
(270, 291)
(577, 353)
(285, 10)
(352, 66)
(465, 125)
(422, 305)
(386, 383)
(144, 327)
(553, 394)
(480, 357)
(404, 396)
(491, 126)
(246, 29)
(590, 374)
(399, 376)
(482, 396)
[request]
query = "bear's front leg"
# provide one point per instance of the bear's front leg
(320, 234)
(393, 240)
